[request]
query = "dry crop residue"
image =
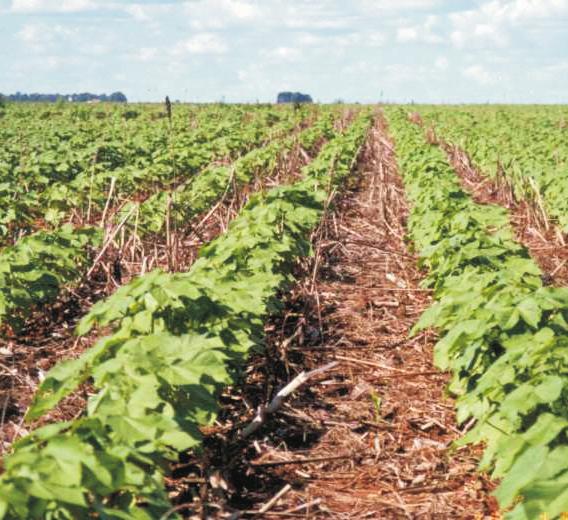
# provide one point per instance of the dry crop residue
(378, 428)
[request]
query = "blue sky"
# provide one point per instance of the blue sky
(248, 50)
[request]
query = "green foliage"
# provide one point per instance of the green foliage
(66, 172)
(504, 336)
(33, 271)
(66, 161)
(176, 341)
(527, 145)
(203, 190)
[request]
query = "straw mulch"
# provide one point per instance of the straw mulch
(372, 436)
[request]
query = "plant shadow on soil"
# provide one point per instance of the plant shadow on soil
(230, 457)
(224, 452)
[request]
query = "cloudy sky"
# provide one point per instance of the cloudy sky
(248, 50)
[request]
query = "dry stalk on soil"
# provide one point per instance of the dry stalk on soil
(373, 439)
(48, 336)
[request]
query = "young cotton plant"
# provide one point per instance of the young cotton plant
(504, 335)
(33, 271)
(177, 340)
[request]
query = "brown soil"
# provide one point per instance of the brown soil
(372, 436)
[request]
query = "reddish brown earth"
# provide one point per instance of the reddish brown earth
(370, 437)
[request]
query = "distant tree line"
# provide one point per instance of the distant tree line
(115, 97)
(293, 97)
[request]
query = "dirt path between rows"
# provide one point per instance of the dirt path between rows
(372, 437)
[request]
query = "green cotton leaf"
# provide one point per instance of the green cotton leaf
(522, 266)
(545, 429)
(461, 334)
(151, 303)
(558, 320)
(63, 379)
(556, 463)
(530, 311)
(145, 397)
(519, 401)
(544, 497)
(508, 452)
(143, 321)
(105, 470)
(550, 389)
(52, 492)
(154, 391)
(132, 430)
(513, 319)
(69, 454)
(428, 319)
(525, 469)
(559, 502)
(180, 440)
(45, 433)
(557, 297)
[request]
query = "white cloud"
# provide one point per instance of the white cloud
(490, 24)
(521, 10)
(241, 10)
(552, 73)
(278, 54)
(148, 12)
(256, 77)
(325, 47)
(441, 63)
(424, 33)
(357, 67)
(381, 6)
(31, 34)
(299, 15)
(310, 40)
(203, 43)
(406, 34)
(146, 54)
(481, 35)
(400, 73)
(56, 6)
(38, 35)
(316, 15)
(478, 73)
(218, 14)
(358, 39)
(53, 62)
(324, 42)
(96, 49)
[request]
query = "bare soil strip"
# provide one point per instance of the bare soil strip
(532, 227)
(371, 437)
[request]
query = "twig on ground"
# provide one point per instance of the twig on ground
(109, 240)
(278, 399)
(309, 460)
(272, 502)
